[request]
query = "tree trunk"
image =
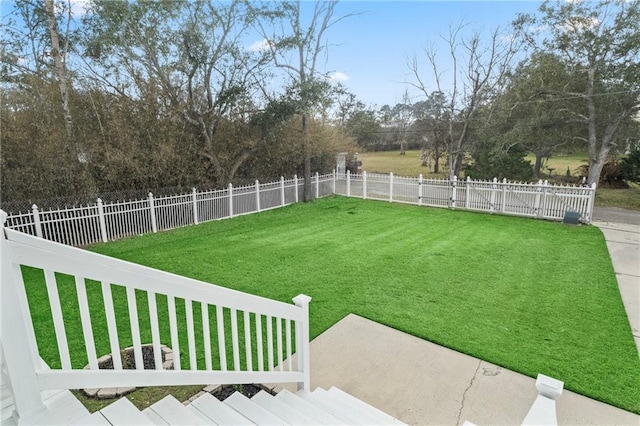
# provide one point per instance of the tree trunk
(537, 165)
(306, 148)
(436, 159)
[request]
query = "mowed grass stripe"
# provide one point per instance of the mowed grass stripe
(532, 296)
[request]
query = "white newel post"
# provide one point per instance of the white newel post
(364, 185)
(420, 189)
(230, 192)
(390, 187)
(302, 341)
(18, 339)
(152, 213)
(102, 220)
(194, 200)
(467, 192)
(257, 195)
(348, 183)
(295, 184)
(282, 200)
(36, 221)
(317, 185)
(454, 191)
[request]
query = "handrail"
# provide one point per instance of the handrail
(217, 335)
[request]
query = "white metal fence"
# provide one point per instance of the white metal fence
(79, 226)
(539, 200)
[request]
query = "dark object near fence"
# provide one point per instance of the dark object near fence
(571, 218)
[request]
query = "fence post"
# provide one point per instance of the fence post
(230, 191)
(152, 211)
(102, 221)
(317, 185)
(494, 188)
(348, 183)
(257, 195)
(302, 341)
(282, 190)
(592, 197)
(333, 186)
(420, 189)
(19, 351)
(503, 206)
(295, 183)
(194, 195)
(390, 187)
(36, 221)
(467, 192)
(364, 185)
(536, 207)
(454, 191)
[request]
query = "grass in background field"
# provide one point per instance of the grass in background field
(531, 296)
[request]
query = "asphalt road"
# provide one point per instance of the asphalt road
(616, 215)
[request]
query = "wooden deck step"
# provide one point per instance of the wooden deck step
(280, 408)
(219, 412)
(252, 411)
(173, 412)
(123, 412)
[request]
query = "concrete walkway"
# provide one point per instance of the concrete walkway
(623, 243)
(422, 383)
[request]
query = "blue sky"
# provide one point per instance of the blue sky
(372, 48)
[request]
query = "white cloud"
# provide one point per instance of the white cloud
(260, 46)
(338, 76)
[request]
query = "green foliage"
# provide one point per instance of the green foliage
(630, 165)
(491, 162)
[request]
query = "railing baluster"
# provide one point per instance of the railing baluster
(155, 330)
(173, 327)
(85, 319)
(191, 341)
(288, 336)
(58, 322)
(270, 342)
(111, 325)
(279, 342)
(259, 342)
(135, 327)
(234, 340)
(206, 334)
(221, 342)
(247, 340)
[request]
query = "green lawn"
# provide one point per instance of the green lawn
(531, 296)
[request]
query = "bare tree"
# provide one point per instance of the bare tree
(475, 70)
(296, 48)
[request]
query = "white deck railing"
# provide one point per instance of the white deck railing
(538, 200)
(217, 335)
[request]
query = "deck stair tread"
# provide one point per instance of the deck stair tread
(93, 419)
(380, 415)
(154, 417)
(281, 409)
(319, 415)
(217, 411)
(123, 412)
(317, 398)
(252, 411)
(334, 400)
(174, 412)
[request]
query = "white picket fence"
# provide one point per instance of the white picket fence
(102, 222)
(217, 335)
(540, 200)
